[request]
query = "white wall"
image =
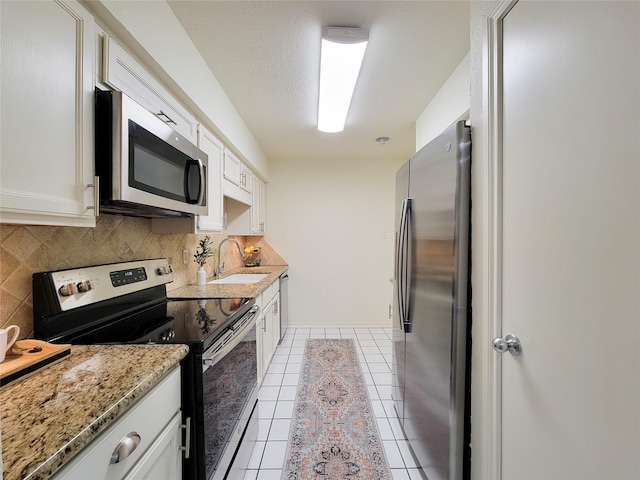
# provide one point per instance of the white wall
(329, 220)
(450, 104)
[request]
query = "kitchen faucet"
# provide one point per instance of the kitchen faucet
(220, 269)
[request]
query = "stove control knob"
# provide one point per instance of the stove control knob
(68, 289)
(168, 335)
(164, 270)
(85, 286)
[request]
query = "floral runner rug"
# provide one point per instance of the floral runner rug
(334, 434)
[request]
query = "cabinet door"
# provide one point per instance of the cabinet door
(235, 175)
(246, 179)
(46, 106)
(275, 323)
(122, 72)
(267, 330)
(258, 207)
(214, 148)
(163, 460)
(232, 169)
(260, 347)
(150, 419)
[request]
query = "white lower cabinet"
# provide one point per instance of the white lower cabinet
(161, 461)
(260, 337)
(268, 328)
(275, 322)
(153, 422)
(46, 105)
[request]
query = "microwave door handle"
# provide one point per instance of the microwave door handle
(201, 182)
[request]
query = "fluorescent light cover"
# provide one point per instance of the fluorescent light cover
(341, 56)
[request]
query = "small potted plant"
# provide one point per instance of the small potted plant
(200, 258)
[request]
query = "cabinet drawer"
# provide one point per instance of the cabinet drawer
(267, 295)
(147, 418)
(270, 292)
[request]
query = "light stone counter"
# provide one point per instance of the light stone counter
(244, 290)
(50, 416)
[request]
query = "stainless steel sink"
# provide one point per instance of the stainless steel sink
(240, 278)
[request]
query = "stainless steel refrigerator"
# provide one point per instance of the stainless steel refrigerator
(431, 320)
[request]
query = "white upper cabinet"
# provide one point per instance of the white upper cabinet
(237, 179)
(247, 218)
(46, 106)
(122, 72)
(258, 206)
(232, 170)
(214, 148)
(246, 179)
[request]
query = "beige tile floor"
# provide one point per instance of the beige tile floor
(278, 391)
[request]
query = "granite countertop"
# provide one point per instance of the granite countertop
(244, 290)
(50, 416)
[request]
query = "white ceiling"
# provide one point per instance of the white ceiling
(266, 56)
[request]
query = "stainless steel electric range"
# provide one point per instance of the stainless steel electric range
(128, 303)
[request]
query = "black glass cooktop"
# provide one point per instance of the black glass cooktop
(197, 323)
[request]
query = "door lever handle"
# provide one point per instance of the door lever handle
(510, 344)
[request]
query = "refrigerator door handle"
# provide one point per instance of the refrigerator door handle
(406, 280)
(399, 263)
(402, 263)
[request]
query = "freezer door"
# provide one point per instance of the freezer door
(434, 338)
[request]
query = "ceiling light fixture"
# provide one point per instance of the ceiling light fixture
(341, 56)
(382, 140)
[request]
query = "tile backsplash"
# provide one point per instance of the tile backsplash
(28, 249)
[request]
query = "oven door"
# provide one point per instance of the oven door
(229, 386)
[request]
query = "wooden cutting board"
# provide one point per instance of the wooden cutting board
(29, 355)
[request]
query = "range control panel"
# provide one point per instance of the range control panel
(130, 275)
(87, 285)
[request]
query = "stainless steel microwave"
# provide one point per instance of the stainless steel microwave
(145, 167)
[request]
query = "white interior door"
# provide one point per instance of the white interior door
(571, 240)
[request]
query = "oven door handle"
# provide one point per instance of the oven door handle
(219, 353)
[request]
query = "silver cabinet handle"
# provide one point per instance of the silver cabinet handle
(168, 118)
(125, 448)
(96, 196)
(187, 437)
(510, 344)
